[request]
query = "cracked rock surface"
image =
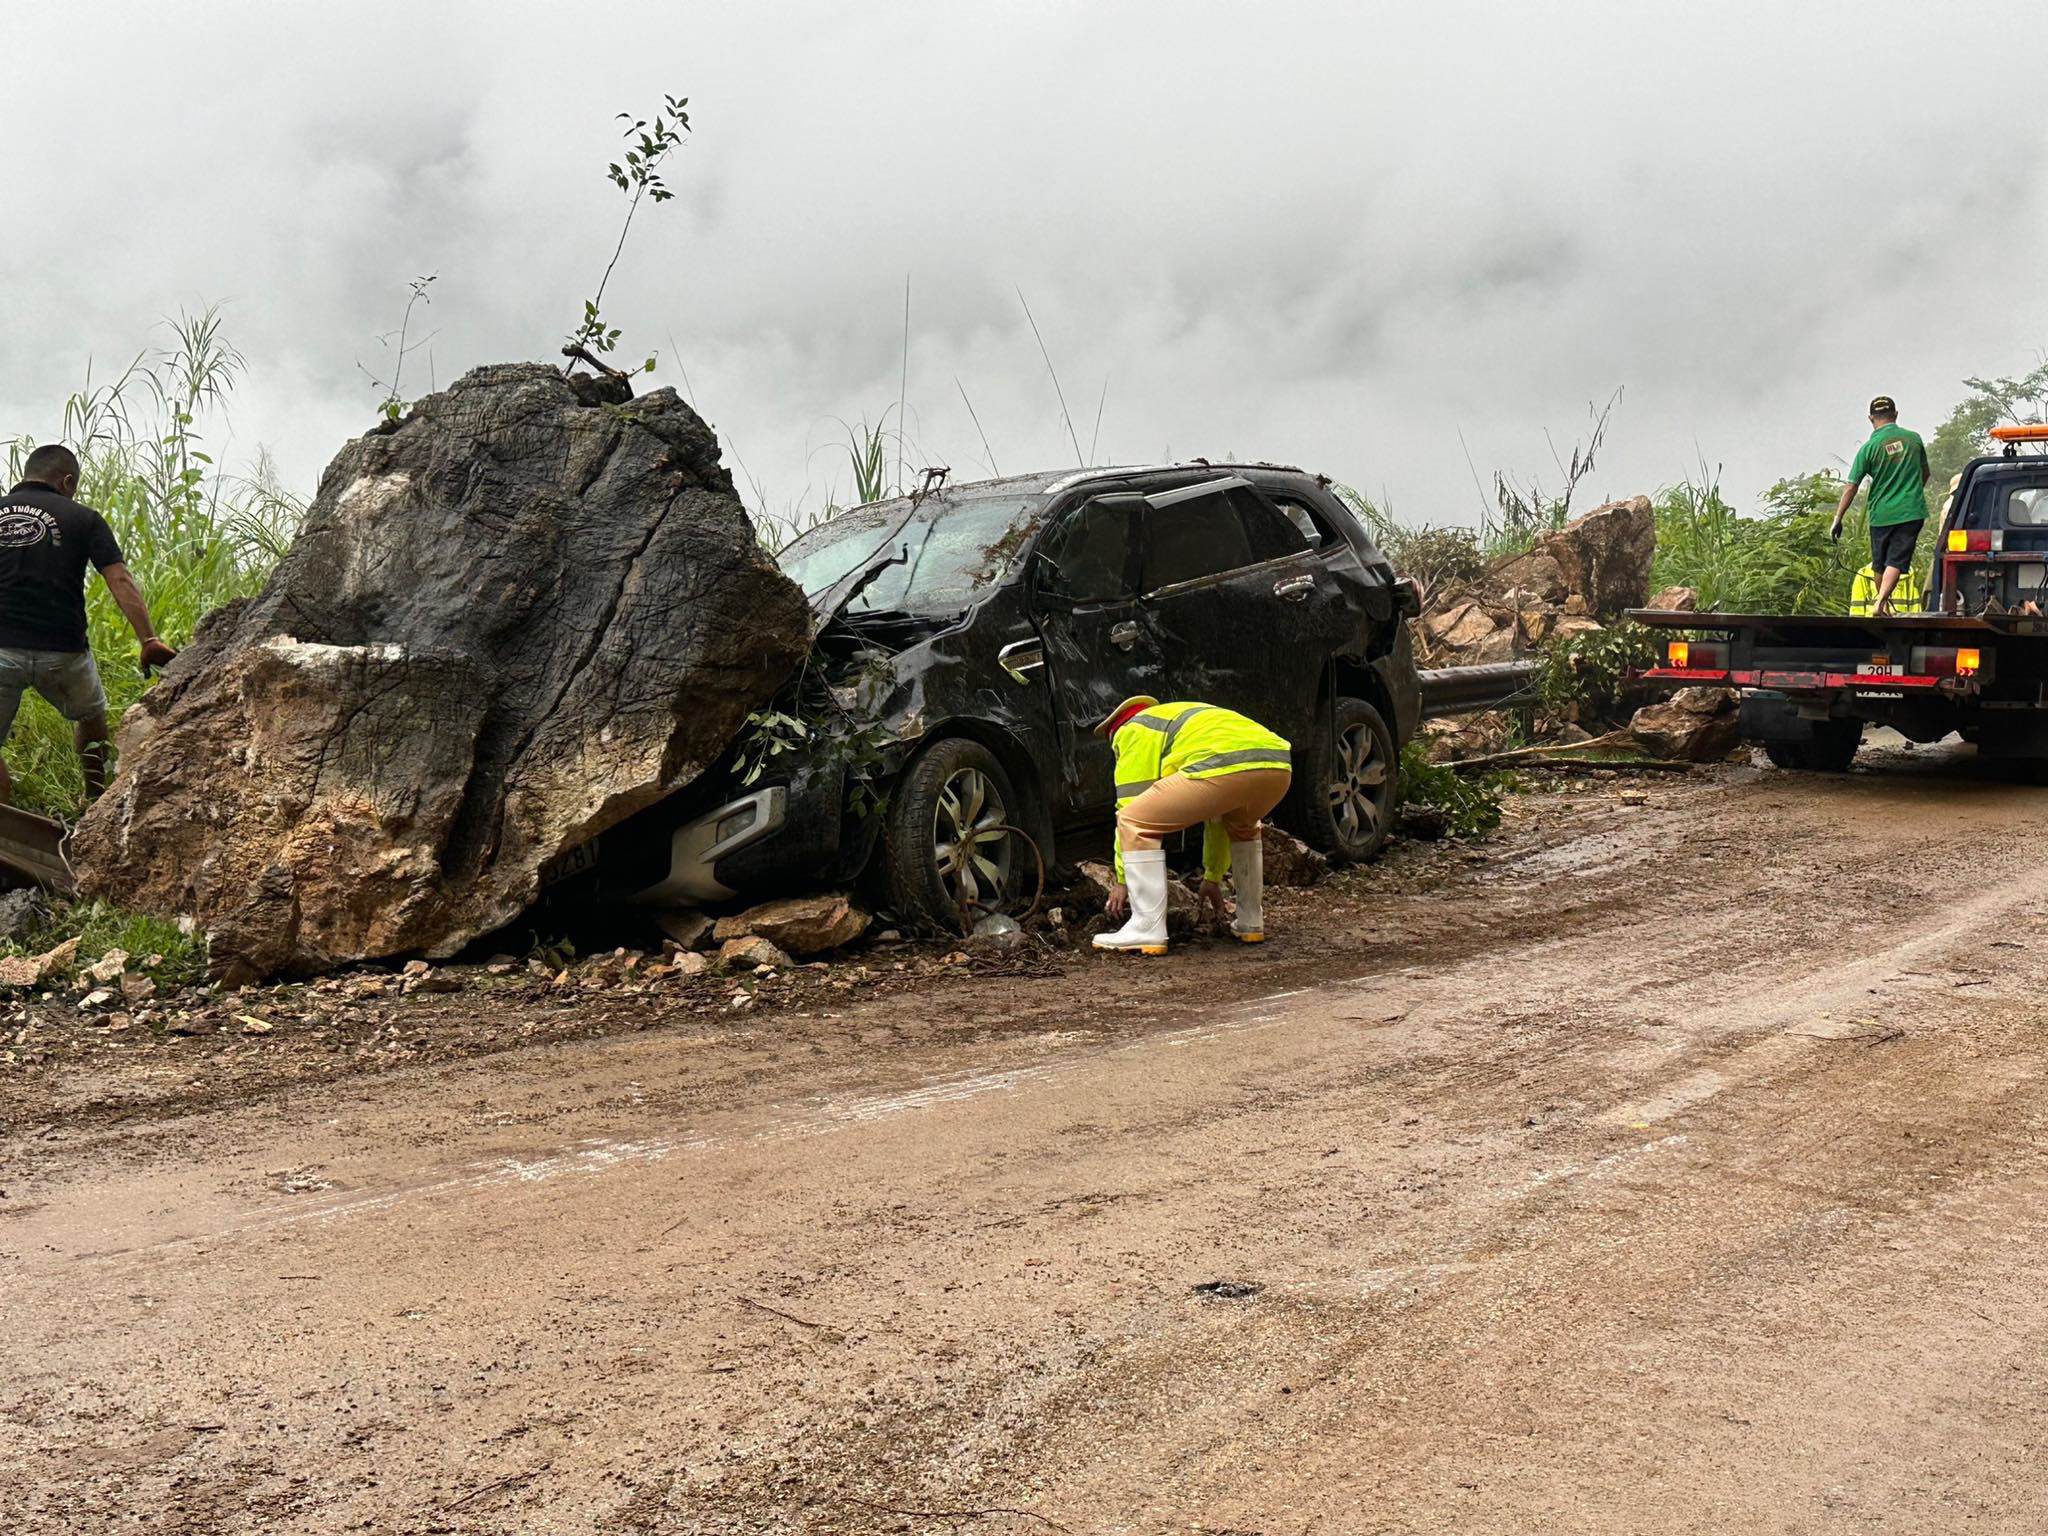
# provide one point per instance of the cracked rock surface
(509, 623)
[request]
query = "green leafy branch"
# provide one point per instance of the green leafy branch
(637, 174)
(824, 727)
(392, 406)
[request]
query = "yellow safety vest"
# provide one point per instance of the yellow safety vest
(1197, 741)
(1906, 596)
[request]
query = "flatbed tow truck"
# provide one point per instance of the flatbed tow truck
(1972, 661)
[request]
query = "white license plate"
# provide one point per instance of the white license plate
(2031, 578)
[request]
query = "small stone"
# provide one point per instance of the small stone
(751, 952)
(684, 927)
(108, 967)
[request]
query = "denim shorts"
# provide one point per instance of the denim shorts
(68, 679)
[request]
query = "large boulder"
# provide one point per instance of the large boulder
(528, 610)
(1697, 725)
(1602, 559)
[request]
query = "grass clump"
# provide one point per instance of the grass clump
(194, 536)
(161, 949)
(1470, 806)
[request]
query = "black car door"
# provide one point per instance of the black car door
(1083, 582)
(1238, 604)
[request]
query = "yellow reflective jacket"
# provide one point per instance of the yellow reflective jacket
(1198, 741)
(1907, 596)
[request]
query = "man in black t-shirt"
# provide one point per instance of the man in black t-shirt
(46, 542)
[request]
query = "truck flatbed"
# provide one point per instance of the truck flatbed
(1841, 624)
(1973, 661)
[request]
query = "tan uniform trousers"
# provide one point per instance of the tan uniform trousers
(1238, 800)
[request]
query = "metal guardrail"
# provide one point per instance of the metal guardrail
(1467, 690)
(32, 851)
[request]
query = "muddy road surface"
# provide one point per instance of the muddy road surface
(1673, 1164)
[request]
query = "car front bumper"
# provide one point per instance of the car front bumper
(696, 847)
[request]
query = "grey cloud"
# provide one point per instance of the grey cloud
(1333, 233)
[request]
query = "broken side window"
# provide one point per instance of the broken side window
(1088, 555)
(1274, 534)
(1193, 539)
(1303, 519)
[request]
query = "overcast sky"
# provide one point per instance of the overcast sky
(1332, 234)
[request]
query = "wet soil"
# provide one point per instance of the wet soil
(1674, 1163)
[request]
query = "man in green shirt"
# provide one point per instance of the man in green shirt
(1894, 461)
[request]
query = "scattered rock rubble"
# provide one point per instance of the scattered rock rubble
(1565, 584)
(1568, 584)
(528, 610)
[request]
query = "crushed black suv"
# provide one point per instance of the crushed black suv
(968, 640)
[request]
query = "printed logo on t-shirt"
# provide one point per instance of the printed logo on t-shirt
(22, 526)
(1895, 449)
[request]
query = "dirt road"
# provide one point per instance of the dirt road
(1671, 1167)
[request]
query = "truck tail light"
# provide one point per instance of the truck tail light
(1686, 655)
(1975, 541)
(1946, 661)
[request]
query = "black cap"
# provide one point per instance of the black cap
(1884, 405)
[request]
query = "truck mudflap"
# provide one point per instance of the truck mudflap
(33, 852)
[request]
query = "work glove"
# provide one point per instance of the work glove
(1213, 902)
(1119, 903)
(156, 654)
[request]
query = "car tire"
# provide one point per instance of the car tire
(1342, 801)
(1826, 746)
(948, 800)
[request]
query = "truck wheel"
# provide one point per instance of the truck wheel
(941, 847)
(1826, 746)
(1342, 800)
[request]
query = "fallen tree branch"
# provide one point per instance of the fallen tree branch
(955, 1514)
(1612, 739)
(583, 355)
(1580, 764)
(787, 1317)
(503, 1482)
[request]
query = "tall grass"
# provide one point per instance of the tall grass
(1779, 560)
(193, 535)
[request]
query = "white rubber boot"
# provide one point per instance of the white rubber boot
(1248, 877)
(1145, 880)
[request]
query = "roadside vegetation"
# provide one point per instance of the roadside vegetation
(195, 535)
(162, 951)
(1468, 806)
(1777, 557)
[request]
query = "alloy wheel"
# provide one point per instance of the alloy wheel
(1358, 784)
(970, 846)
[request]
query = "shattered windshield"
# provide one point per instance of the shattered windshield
(945, 554)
